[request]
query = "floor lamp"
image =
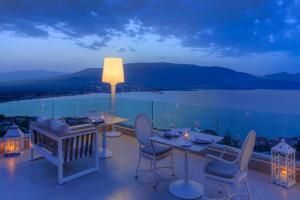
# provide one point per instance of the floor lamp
(113, 73)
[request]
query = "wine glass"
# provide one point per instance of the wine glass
(102, 116)
(92, 116)
(197, 126)
(108, 117)
(172, 126)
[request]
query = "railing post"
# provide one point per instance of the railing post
(152, 113)
(218, 120)
(53, 107)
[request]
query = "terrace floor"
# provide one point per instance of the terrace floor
(23, 179)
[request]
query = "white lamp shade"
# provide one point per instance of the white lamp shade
(113, 72)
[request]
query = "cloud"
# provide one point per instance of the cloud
(244, 26)
(131, 49)
(121, 50)
(271, 38)
(93, 46)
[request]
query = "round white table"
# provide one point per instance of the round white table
(186, 188)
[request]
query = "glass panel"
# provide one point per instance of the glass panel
(130, 108)
(12, 145)
(269, 127)
(79, 106)
(168, 115)
(35, 107)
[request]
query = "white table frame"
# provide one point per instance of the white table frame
(185, 188)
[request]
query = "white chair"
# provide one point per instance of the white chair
(148, 150)
(232, 174)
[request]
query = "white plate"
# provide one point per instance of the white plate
(171, 133)
(203, 140)
(186, 144)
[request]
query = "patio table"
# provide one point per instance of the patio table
(103, 151)
(186, 188)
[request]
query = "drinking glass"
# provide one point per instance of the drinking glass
(197, 126)
(172, 126)
(92, 116)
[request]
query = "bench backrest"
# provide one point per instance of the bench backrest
(78, 144)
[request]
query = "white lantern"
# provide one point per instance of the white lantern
(283, 164)
(14, 141)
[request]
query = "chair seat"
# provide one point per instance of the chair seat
(158, 149)
(222, 169)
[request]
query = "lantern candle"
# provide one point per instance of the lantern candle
(283, 172)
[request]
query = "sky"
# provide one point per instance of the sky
(254, 36)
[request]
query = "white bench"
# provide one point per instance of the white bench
(60, 149)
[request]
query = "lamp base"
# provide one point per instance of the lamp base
(104, 154)
(186, 189)
(113, 134)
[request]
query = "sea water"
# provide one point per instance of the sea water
(271, 113)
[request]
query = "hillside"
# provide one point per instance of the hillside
(28, 75)
(145, 76)
(284, 76)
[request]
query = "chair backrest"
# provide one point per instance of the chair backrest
(246, 151)
(143, 128)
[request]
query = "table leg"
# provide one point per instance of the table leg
(113, 133)
(104, 152)
(186, 188)
(186, 167)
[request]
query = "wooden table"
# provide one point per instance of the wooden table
(186, 188)
(103, 151)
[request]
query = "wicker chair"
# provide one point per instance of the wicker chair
(232, 174)
(148, 150)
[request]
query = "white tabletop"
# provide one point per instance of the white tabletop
(116, 120)
(177, 141)
(112, 121)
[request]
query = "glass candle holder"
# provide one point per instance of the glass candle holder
(186, 134)
(102, 116)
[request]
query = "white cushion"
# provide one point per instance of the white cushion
(43, 122)
(222, 169)
(59, 127)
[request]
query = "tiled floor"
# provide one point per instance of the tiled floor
(21, 179)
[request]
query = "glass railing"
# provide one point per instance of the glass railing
(168, 115)
(130, 108)
(233, 124)
(78, 106)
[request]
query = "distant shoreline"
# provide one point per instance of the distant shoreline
(258, 100)
(27, 97)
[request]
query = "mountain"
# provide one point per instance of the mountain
(283, 76)
(144, 76)
(29, 75)
(183, 76)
